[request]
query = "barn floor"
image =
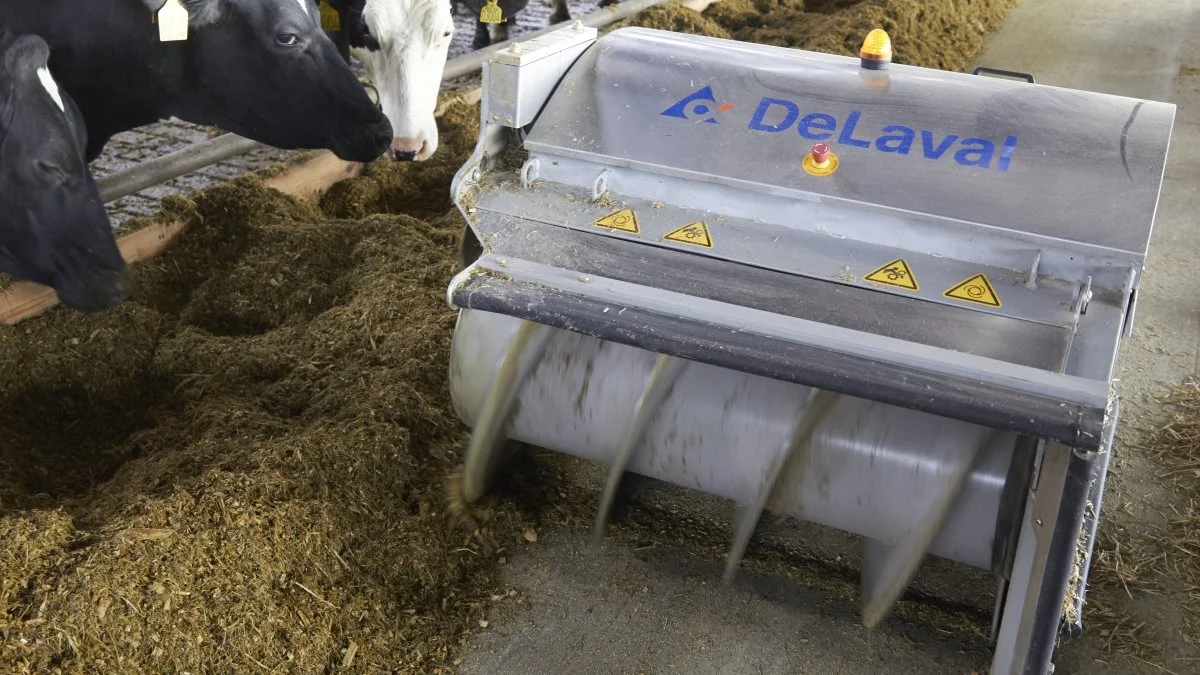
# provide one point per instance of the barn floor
(242, 469)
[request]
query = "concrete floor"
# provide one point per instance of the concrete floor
(635, 607)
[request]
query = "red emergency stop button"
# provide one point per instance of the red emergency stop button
(820, 155)
(820, 160)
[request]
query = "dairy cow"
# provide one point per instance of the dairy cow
(263, 69)
(403, 44)
(53, 226)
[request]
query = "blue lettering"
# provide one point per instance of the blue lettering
(819, 121)
(756, 122)
(935, 153)
(1006, 153)
(899, 139)
(982, 152)
(776, 114)
(847, 137)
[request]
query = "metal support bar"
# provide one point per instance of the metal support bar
(1044, 558)
(1091, 520)
(178, 163)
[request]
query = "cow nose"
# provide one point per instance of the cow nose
(407, 149)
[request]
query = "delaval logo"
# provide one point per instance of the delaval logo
(700, 106)
(777, 115)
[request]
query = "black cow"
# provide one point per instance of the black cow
(53, 227)
(509, 9)
(263, 69)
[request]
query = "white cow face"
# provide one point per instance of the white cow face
(405, 61)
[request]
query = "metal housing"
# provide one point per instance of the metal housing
(655, 252)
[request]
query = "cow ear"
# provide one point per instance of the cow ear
(203, 12)
(25, 55)
(200, 12)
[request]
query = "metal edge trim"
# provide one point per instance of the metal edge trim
(1047, 615)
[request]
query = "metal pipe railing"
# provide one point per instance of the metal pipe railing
(178, 163)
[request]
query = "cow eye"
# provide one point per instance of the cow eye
(287, 39)
(447, 33)
(49, 171)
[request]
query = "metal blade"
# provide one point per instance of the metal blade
(483, 456)
(658, 387)
(746, 516)
(889, 566)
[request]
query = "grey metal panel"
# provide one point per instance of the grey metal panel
(785, 248)
(937, 325)
(1084, 166)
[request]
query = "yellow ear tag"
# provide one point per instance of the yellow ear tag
(172, 22)
(491, 13)
(330, 19)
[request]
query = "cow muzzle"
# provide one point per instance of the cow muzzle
(367, 144)
(411, 149)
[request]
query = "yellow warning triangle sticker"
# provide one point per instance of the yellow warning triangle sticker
(896, 273)
(624, 220)
(695, 233)
(977, 289)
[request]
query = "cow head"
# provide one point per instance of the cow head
(266, 70)
(53, 226)
(403, 44)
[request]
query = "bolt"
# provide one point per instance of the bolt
(577, 25)
(515, 48)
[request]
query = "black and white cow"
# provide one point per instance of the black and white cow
(403, 44)
(263, 69)
(53, 227)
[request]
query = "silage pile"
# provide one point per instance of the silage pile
(242, 468)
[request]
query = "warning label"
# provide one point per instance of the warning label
(977, 289)
(695, 233)
(896, 273)
(624, 220)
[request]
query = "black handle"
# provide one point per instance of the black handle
(1010, 73)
